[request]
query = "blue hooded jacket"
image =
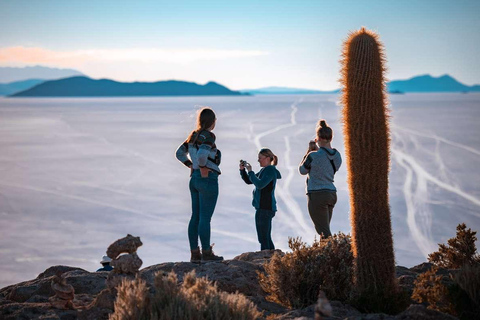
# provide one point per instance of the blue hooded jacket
(264, 181)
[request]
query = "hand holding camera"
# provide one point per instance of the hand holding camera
(244, 164)
(312, 146)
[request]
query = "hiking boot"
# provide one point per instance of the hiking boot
(196, 256)
(208, 255)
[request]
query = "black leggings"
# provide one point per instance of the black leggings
(263, 222)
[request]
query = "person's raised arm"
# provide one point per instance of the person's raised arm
(267, 177)
(306, 164)
(244, 175)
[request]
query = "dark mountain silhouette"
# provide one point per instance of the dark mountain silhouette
(427, 83)
(424, 83)
(86, 87)
(9, 74)
(17, 86)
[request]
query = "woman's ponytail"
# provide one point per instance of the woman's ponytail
(275, 160)
(268, 153)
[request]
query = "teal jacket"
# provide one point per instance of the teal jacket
(264, 181)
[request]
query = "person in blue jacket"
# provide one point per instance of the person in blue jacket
(263, 194)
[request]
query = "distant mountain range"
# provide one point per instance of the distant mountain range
(81, 86)
(10, 74)
(17, 86)
(86, 87)
(423, 83)
(427, 83)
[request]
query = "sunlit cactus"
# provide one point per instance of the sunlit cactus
(367, 140)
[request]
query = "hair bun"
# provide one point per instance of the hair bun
(322, 123)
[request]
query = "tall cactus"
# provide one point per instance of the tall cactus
(367, 140)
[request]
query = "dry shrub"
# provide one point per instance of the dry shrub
(465, 293)
(459, 251)
(194, 299)
(132, 300)
(430, 290)
(295, 279)
(468, 278)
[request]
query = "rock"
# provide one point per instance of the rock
(403, 271)
(129, 244)
(37, 299)
(93, 298)
(114, 279)
(15, 311)
(306, 313)
(127, 263)
(259, 257)
(342, 311)
(104, 300)
(81, 280)
(230, 275)
(57, 270)
(24, 290)
(323, 307)
(420, 312)
(62, 289)
(421, 268)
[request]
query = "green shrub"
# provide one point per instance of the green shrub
(459, 251)
(194, 299)
(295, 279)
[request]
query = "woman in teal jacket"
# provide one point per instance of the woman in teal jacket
(263, 194)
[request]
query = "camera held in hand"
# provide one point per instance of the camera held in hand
(243, 163)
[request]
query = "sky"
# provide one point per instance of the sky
(240, 44)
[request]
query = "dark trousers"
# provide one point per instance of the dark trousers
(263, 222)
(320, 208)
(204, 192)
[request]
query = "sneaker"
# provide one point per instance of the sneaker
(196, 256)
(208, 255)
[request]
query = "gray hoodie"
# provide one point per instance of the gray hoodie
(320, 166)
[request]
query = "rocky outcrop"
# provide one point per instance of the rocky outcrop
(125, 267)
(94, 300)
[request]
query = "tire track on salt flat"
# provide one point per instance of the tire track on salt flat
(284, 192)
(435, 137)
(421, 172)
(418, 216)
(415, 188)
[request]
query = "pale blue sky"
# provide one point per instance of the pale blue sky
(241, 44)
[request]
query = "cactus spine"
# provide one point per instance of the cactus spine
(367, 140)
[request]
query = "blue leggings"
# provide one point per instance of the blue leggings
(204, 192)
(263, 222)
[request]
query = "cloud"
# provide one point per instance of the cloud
(76, 58)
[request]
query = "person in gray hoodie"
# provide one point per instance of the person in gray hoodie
(320, 164)
(263, 195)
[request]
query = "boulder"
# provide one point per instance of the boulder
(129, 244)
(127, 263)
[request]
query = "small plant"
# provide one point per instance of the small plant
(295, 279)
(430, 290)
(459, 251)
(468, 278)
(465, 292)
(132, 300)
(194, 299)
